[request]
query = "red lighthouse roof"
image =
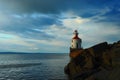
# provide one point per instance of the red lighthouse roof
(76, 35)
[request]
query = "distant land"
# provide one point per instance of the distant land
(29, 53)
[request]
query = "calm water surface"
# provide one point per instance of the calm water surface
(33, 66)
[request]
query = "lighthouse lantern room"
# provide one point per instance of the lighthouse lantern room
(76, 41)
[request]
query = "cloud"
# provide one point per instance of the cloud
(107, 15)
(42, 25)
(54, 6)
(76, 22)
(4, 19)
(12, 42)
(90, 31)
(23, 34)
(27, 6)
(27, 25)
(13, 39)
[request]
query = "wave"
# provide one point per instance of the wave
(19, 65)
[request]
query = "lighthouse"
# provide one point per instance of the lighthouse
(76, 42)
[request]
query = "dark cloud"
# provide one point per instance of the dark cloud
(54, 6)
(28, 6)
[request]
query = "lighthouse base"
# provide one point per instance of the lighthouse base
(74, 49)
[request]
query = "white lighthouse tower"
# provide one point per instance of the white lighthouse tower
(76, 41)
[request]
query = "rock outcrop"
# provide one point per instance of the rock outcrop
(87, 64)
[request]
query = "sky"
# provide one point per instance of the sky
(46, 26)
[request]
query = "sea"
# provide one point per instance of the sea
(33, 66)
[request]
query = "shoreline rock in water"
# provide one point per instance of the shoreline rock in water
(86, 63)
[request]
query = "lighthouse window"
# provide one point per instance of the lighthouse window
(77, 45)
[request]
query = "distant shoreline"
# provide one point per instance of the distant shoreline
(28, 53)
